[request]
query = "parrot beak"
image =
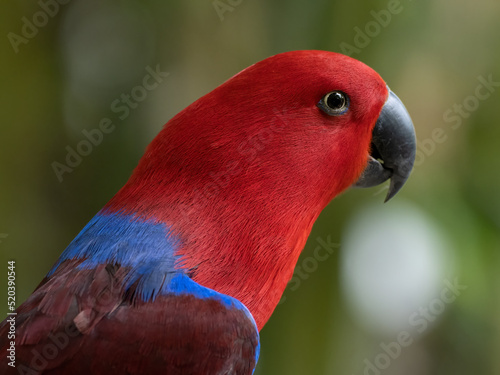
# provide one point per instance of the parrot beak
(393, 148)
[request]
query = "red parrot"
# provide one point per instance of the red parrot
(181, 269)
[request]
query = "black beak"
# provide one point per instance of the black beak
(393, 148)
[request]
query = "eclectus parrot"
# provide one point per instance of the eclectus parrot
(181, 269)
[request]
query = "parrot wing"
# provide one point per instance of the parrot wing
(83, 321)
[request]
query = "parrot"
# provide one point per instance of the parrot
(180, 270)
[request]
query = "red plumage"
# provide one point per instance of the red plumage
(238, 177)
(242, 173)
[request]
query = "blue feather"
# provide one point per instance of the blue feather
(148, 248)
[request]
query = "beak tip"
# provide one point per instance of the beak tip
(393, 190)
(394, 139)
(397, 182)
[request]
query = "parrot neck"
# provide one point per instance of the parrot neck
(235, 243)
(241, 210)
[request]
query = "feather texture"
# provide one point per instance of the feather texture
(186, 263)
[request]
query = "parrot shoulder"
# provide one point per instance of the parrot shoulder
(84, 321)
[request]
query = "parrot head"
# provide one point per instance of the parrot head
(240, 175)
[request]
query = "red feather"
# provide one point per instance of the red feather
(239, 177)
(241, 174)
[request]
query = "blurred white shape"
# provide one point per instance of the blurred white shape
(105, 47)
(394, 260)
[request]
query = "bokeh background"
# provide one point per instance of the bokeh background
(422, 269)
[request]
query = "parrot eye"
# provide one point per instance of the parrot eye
(334, 103)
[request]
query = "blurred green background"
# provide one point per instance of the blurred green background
(389, 273)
